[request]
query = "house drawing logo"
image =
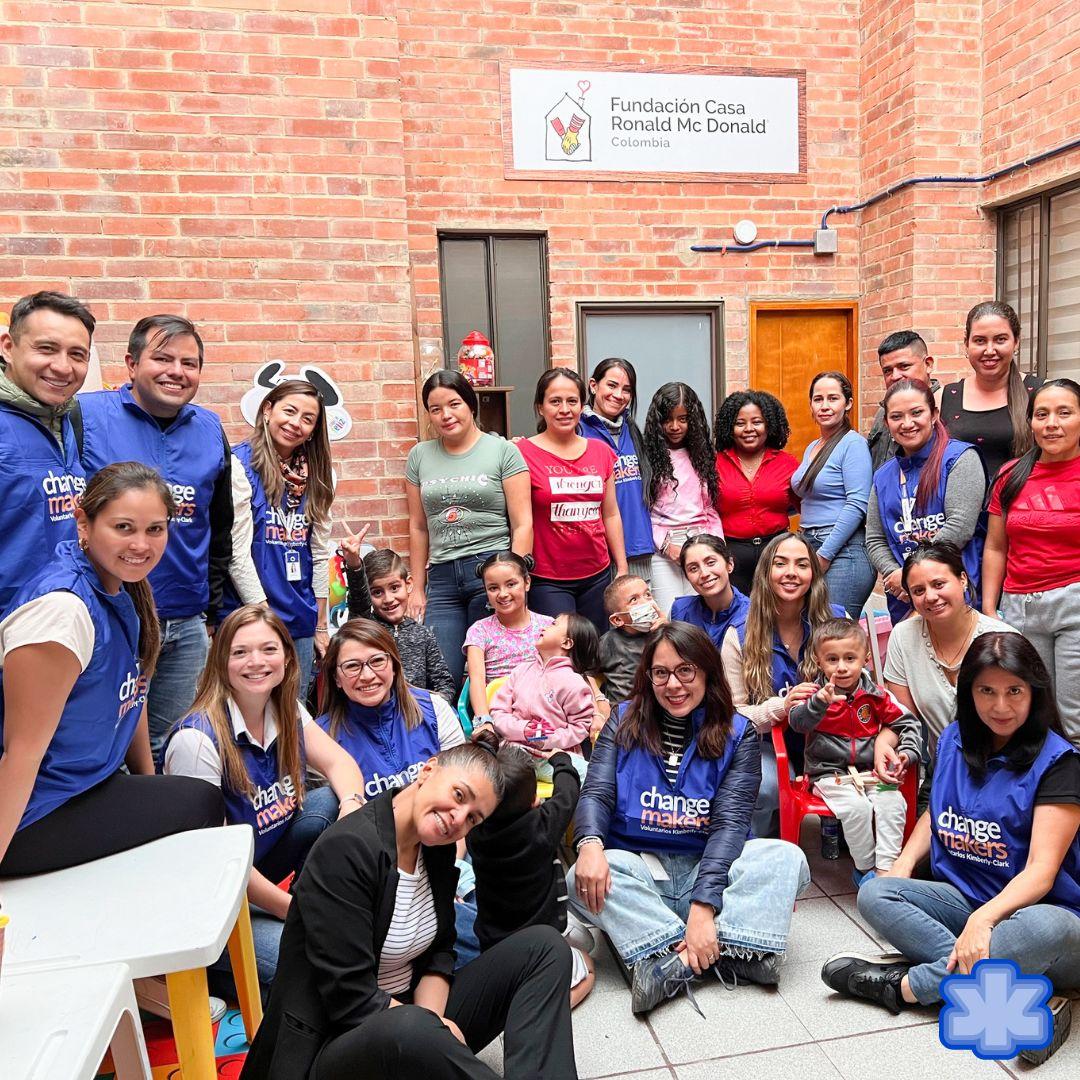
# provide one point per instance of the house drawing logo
(568, 128)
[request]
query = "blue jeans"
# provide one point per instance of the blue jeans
(644, 917)
(305, 659)
(583, 595)
(850, 577)
(320, 810)
(184, 648)
(765, 821)
(455, 600)
(923, 919)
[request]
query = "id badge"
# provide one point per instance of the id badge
(292, 565)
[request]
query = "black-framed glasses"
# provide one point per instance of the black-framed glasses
(352, 669)
(685, 673)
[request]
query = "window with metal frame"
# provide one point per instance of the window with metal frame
(1038, 273)
(497, 283)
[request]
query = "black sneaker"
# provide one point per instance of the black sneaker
(875, 979)
(658, 979)
(763, 970)
(1061, 1020)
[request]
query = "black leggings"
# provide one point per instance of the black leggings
(583, 595)
(118, 814)
(520, 987)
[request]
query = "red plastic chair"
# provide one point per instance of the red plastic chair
(797, 798)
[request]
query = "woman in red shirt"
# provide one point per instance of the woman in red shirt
(755, 501)
(577, 530)
(1033, 543)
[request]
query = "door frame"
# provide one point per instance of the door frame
(713, 309)
(840, 304)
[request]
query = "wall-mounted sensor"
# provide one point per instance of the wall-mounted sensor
(745, 231)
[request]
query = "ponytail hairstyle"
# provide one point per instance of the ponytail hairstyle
(668, 398)
(627, 369)
(640, 726)
(1018, 394)
(1019, 473)
(334, 702)
(715, 543)
(267, 464)
(930, 477)
(508, 558)
(825, 450)
(585, 651)
(488, 754)
(105, 486)
(761, 621)
(214, 691)
(546, 380)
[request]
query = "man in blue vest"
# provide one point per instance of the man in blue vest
(151, 419)
(45, 354)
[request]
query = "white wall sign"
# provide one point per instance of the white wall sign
(615, 122)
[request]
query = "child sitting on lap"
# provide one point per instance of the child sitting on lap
(633, 613)
(841, 722)
(547, 702)
(515, 855)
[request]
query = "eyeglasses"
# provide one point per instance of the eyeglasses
(685, 673)
(352, 669)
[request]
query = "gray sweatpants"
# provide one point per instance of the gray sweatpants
(1051, 622)
(873, 821)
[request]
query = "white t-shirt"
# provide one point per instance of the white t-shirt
(193, 753)
(910, 662)
(412, 929)
(59, 617)
(450, 733)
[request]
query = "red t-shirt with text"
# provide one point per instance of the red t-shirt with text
(569, 541)
(1042, 528)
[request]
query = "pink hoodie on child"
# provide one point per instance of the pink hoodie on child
(547, 706)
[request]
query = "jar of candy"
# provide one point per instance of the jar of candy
(475, 360)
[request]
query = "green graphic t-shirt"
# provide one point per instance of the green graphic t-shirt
(463, 495)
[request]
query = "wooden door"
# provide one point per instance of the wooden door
(789, 344)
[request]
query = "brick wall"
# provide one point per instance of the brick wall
(239, 161)
(277, 170)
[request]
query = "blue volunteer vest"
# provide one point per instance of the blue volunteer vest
(190, 455)
(42, 483)
(278, 536)
(694, 610)
(104, 706)
(272, 804)
(980, 829)
(389, 755)
(651, 814)
(896, 484)
(629, 492)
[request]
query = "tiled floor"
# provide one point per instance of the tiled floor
(800, 1030)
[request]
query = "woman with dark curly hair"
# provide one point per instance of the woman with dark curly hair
(755, 501)
(682, 484)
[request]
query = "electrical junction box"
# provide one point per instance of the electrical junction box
(825, 242)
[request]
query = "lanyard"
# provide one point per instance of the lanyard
(906, 504)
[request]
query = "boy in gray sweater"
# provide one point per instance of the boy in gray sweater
(633, 614)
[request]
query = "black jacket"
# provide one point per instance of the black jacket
(328, 961)
(519, 878)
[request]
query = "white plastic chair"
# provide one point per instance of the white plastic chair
(57, 1024)
(166, 908)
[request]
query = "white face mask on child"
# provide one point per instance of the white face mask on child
(643, 616)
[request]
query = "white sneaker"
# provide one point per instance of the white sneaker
(152, 996)
(579, 935)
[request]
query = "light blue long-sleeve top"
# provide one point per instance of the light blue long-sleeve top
(840, 492)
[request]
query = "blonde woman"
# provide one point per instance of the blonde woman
(249, 736)
(283, 489)
(766, 659)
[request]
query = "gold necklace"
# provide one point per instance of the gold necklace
(751, 471)
(953, 663)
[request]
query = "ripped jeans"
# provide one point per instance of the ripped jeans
(644, 917)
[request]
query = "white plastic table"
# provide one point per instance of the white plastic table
(166, 908)
(58, 1024)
